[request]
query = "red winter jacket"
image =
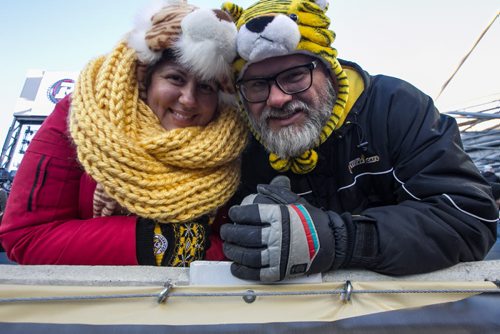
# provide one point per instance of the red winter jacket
(48, 217)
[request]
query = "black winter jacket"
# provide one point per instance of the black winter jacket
(411, 198)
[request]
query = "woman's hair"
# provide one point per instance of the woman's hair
(166, 56)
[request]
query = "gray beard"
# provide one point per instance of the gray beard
(293, 140)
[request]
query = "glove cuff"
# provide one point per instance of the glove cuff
(188, 242)
(339, 228)
(362, 246)
(144, 233)
(175, 245)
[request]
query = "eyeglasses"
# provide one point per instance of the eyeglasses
(290, 81)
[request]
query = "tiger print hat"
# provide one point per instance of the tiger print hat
(290, 26)
(203, 41)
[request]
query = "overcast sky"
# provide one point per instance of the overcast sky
(419, 41)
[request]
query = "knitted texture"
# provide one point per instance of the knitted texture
(297, 26)
(191, 246)
(170, 176)
(104, 205)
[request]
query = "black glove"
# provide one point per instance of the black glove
(178, 244)
(276, 234)
(277, 192)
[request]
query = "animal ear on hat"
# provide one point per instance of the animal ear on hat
(166, 26)
(156, 27)
(234, 10)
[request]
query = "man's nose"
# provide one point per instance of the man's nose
(277, 98)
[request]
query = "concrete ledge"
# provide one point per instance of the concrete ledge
(92, 275)
(462, 272)
(146, 275)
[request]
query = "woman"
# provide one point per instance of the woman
(133, 167)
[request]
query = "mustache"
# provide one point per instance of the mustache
(287, 110)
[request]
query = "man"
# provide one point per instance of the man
(370, 174)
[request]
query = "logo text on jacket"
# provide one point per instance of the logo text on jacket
(361, 161)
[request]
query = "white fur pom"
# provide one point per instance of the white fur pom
(322, 3)
(137, 40)
(207, 44)
(142, 23)
(228, 99)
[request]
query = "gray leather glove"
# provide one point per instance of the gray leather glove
(276, 234)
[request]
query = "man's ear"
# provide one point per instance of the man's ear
(335, 82)
(330, 75)
(233, 10)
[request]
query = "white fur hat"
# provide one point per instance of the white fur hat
(204, 40)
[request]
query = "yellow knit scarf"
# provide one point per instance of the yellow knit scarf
(170, 176)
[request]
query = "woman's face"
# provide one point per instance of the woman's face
(179, 99)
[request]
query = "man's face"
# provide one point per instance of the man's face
(290, 124)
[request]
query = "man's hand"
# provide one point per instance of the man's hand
(276, 234)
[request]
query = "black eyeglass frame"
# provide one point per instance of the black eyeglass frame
(272, 80)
